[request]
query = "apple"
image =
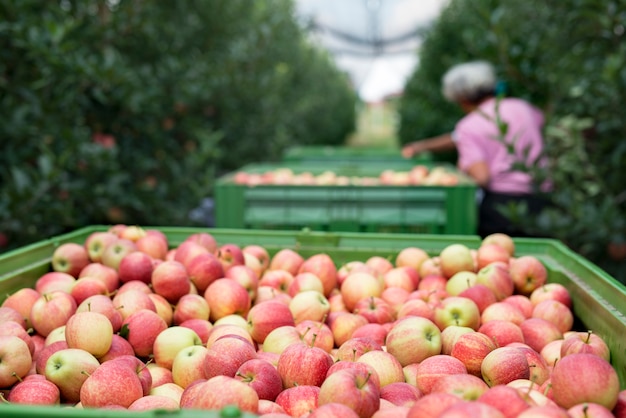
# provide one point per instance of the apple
(450, 335)
(585, 342)
(298, 401)
(375, 310)
(262, 376)
(400, 394)
(202, 327)
(416, 307)
(305, 281)
(488, 253)
(332, 410)
(96, 242)
(225, 297)
(432, 405)
(403, 277)
(22, 301)
(555, 312)
(286, 259)
(55, 280)
(114, 252)
(104, 305)
(544, 411)
(188, 250)
(170, 341)
(227, 354)
(354, 388)
(503, 365)
(260, 253)
(316, 334)
(52, 310)
(203, 269)
(359, 285)
(466, 386)
(539, 368)
(343, 325)
(279, 280)
(551, 291)
(467, 409)
(505, 399)
(301, 364)
(119, 347)
(8, 314)
(219, 392)
(379, 264)
(136, 266)
(70, 258)
(153, 243)
(189, 365)
(230, 255)
(355, 347)
(374, 331)
(413, 339)
(190, 306)
(387, 367)
(460, 281)
(114, 382)
(88, 286)
(13, 328)
(323, 267)
(538, 332)
(35, 390)
(309, 305)
(163, 308)
(108, 275)
(89, 331)
(528, 273)
(457, 310)
(154, 403)
(502, 332)
(471, 349)
(496, 277)
(132, 300)
(431, 267)
(502, 311)
(481, 295)
(455, 258)
(395, 296)
(583, 377)
(141, 329)
(411, 257)
(170, 280)
(271, 409)
(68, 369)
(522, 303)
(352, 267)
(620, 408)
(433, 368)
(205, 239)
(589, 409)
(15, 360)
(131, 232)
(280, 338)
(222, 330)
(140, 369)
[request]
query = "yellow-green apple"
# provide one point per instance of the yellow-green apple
(457, 310)
(286, 259)
(22, 301)
(379, 264)
(539, 368)
(302, 364)
(57, 334)
(245, 276)
(359, 286)
(332, 410)
(521, 302)
(489, 253)
(496, 277)
(471, 349)
(262, 376)
(416, 307)
(116, 251)
(169, 389)
(131, 232)
(404, 277)
(163, 308)
(136, 266)
(455, 258)
(355, 347)
(219, 392)
(506, 399)
(412, 257)
(225, 297)
(470, 409)
(431, 267)
(55, 280)
(538, 332)
(89, 331)
(503, 365)
(221, 330)
(170, 341)
(96, 242)
(52, 310)
(450, 335)
(305, 281)
(343, 325)
(160, 376)
(585, 342)
(583, 377)
(260, 253)
(227, 354)
(528, 273)
(375, 310)
(204, 269)
(280, 338)
(15, 360)
(352, 267)
(589, 410)
(170, 280)
(460, 281)
(70, 258)
(154, 243)
(142, 372)
(502, 332)
(108, 275)
(141, 329)
(322, 266)
(387, 367)
(35, 389)
(233, 319)
(432, 405)
(354, 388)
(88, 286)
(68, 369)
(202, 327)
(131, 301)
(413, 339)
(551, 352)
(481, 295)
(190, 306)
(266, 316)
(205, 239)
(503, 240)
(502, 311)
(104, 305)
(119, 347)
(377, 332)
(154, 402)
(551, 291)
(433, 368)
(298, 401)
(112, 383)
(230, 255)
(466, 386)
(316, 334)
(400, 393)
(555, 312)
(188, 365)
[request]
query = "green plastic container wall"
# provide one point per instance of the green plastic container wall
(323, 153)
(432, 209)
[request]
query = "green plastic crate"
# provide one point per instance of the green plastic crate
(350, 208)
(599, 300)
(326, 153)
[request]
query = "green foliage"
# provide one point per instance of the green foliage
(569, 58)
(127, 111)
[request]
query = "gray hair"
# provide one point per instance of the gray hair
(470, 81)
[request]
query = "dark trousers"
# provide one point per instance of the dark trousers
(491, 219)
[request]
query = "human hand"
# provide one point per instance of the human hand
(410, 150)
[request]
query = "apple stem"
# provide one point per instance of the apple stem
(88, 306)
(588, 336)
(306, 331)
(3, 399)
(313, 339)
(548, 387)
(85, 372)
(46, 297)
(19, 379)
(354, 354)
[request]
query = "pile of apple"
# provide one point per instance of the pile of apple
(124, 321)
(419, 175)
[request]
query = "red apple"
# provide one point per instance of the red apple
(450, 335)
(55, 280)
(51, 311)
(332, 410)
(488, 253)
(343, 325)
(354, 388)
(106, 274)
(246, 277)
(323, 267)
(413, 339)
(298, 401)
(466, 386)
(131, 301)
(112, 383)
(555, 312)
(280, 280)
(379, 264)
(153, 243)
(286, 259)
(502, 332)
(376, 332)
(431, 267)
(15, 360)
(190, 306)
(539, 368)
(506, 399)
(502, 311)
(230, 255)
(552, 291)
(188, 250)
(22, 301)
(503, 240)
(433, 368)
(90, 331)
(432, 405)
(471, 349)
(503, 365)
(141, 329)
(262, 376)
(34, 390)
(119, 347)
(412, 257)
(400, 394)
(136, 266)
(496, 277)
(416, 307)
(359, 286)
(260, 253)
(528, 273)
(375, 310)
(467, 409)
(522, 303)
(202, 327)
(354, 347)
(316, 334)
(205, 239)
(404, 277)
(538, 332)
(70, 258)
(585, 342)
(305, 281)
(204, 269)
(481, 295)
(227, 354)
(301, 364)
(85, 287)
(170, 280)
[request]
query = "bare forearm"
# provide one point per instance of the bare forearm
(435, 144)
